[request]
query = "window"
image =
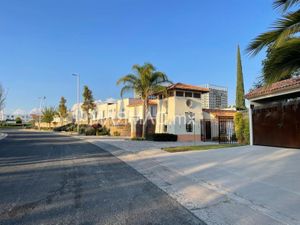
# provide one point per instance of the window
(188, 94)
(189, 127)
(160, 96)
(197, 95)
(171, 93)
(190, 119)
(165, 128)
(153, 111)
(179, 93)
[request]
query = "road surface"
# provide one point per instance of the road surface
(53, 179)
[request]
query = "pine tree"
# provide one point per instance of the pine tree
(88, 102)
(62, 109)
(240, 92)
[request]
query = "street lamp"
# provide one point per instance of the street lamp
(41, 101)
(78, 99)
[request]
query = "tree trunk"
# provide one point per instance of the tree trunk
(145, 111)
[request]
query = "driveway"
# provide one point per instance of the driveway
(51, 179)
(242, 185)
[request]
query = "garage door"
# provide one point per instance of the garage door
(277, 125)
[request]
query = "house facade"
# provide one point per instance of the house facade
(180, 110)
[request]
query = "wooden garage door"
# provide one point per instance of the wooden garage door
(277, 125)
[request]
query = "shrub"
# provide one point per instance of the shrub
(246, 131)
(138, 139)
(104, 131)
(67, 127)
(241, 124)
(164, 137)
(18, 120)
(116, 133)
(90, 131)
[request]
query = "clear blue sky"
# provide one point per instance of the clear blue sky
(43, 42)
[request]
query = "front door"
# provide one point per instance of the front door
(208, 130)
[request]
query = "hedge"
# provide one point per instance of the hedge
(164, 137)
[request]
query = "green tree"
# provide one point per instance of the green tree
(240, 92)
(48, 115)
(18, 120)
(88, 102)
(144, 81)
(241, 126)
(62, 109)
(283, 42)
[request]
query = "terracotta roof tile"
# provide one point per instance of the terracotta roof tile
(188, 87)
(138, 102)
(284, 85)
(221, 112)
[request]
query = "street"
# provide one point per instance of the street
(52, 179)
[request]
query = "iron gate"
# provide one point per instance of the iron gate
(220, 130)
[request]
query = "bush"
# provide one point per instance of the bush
(241, 125)
(116, 133)
(90, 131)
(67, 127)
(246, 131)
(138, 139)
(103, 131)
(164, 137)
(18, 120)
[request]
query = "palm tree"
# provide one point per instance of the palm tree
(144, 81)
(283, 44)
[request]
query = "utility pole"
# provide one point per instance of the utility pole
(40, 110)
(78, 99)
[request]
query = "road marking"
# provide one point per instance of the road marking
(2, 136)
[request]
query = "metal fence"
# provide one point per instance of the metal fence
(220, 130)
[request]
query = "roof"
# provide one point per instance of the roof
(187, 87)
(277, 87)
(138, 102)
(221, 112)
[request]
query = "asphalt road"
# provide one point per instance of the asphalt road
(52, 179)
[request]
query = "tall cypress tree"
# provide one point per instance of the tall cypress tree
(240, 92)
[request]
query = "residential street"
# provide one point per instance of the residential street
(51, 179)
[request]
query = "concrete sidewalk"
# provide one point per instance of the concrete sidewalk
(242, 185)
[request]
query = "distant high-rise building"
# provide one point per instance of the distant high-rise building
(216, 98)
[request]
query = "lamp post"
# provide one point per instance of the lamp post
(78, 99)
(40, 110)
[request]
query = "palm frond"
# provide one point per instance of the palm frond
(283, 61)
(125, 89)
(285, 4)
(282, 30)
(129, 78)
(288, 25)
(159, 78)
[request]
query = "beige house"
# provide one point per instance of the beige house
(178, 111)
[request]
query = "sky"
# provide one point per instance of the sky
(43, 42)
